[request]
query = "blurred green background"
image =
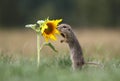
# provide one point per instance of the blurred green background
(79, 13)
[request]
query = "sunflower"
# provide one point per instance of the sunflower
(49, 29)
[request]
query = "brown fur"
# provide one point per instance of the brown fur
(75, 48)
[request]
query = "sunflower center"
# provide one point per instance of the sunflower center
(50, 28)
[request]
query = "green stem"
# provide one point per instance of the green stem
(38, 48)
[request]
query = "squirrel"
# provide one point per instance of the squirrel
(76, 53)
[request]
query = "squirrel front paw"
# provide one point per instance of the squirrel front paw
(62, 41)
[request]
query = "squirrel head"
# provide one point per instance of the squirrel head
(66, 31)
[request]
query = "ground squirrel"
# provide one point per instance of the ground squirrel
(75, 48)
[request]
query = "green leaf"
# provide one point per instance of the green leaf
(34, 27)
(40, 22)
(31, 26)
(51, 46)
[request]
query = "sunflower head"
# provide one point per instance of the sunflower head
(49, 29)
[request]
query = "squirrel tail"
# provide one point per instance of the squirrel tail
(94, 63)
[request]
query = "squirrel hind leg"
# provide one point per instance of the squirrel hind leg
(77, 66)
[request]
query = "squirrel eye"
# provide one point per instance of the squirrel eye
(64, 27)
(68, 29)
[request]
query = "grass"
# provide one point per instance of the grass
(18, 59)
(55, 69)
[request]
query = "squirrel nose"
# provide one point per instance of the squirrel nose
(58, 28)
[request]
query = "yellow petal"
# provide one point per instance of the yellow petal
(57, 21)
(53, 37)
(43, 28)
(57, 32)
(46, 38)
